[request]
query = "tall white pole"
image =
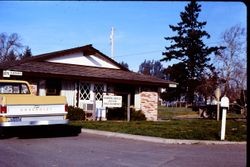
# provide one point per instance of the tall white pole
(223, 124)
(225, 107)
(112, 42)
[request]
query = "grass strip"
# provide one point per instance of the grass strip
(193, 129)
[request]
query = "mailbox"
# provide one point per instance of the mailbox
(225, 102)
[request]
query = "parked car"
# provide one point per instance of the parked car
(19, 107)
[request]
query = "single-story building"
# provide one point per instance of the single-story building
(84, 75)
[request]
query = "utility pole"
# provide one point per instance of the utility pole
(112, 38)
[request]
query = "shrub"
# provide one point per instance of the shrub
(137, 115)
(121, 114)
(116, 114)
(75, 113)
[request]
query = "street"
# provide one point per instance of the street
(53, 149)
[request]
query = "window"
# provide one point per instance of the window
(24, 89)
(84, 91)
(98, 89)
(91, 91)
(14, 88)
(53, 87)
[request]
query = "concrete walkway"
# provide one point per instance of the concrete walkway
(155, 139)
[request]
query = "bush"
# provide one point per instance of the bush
(121, 114)
(75, 113)
(137, 115)
(116, 114)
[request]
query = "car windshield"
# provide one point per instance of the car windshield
(14, 88)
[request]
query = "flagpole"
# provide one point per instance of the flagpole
(112, 42)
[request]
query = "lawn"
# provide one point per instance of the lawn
(166, 113)
(194, 129)
(174, 125)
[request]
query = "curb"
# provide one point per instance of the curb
(155, 139)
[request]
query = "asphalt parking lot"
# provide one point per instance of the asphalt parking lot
(59, 147)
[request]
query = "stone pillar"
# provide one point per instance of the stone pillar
(149, 105)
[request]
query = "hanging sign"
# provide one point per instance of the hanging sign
(112, 101)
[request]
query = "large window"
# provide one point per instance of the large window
(98, 89)
(85, 91)
(91, 91)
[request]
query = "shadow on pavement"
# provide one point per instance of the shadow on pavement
(27, 132)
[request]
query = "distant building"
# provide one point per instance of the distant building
(84, 75)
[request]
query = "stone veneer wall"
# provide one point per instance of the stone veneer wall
(149, 105)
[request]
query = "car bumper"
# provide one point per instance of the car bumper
(34, 123)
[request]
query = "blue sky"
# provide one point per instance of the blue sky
(140, 27)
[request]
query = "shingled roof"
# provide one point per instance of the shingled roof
(38, 66)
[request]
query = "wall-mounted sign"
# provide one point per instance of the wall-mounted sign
(172, 85)
(8, 73)
(112, 101)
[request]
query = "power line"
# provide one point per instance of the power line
(157, 51)
(140, 53)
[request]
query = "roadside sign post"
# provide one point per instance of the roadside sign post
(225, 106)
(110, 101)
(217, 93)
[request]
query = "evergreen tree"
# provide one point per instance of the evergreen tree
(176, 73)
(188, 46)
(124, 64)
(27, 53)
(153, 68)
(145, 67)
(158, 70)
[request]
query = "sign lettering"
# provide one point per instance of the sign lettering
(112, 101)
(8, 73)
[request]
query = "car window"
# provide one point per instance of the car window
(25, 89)
(5, 89)
(14, 88)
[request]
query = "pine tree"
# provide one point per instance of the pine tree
(152, 67)
(27, 53)
(177, 73)
(188, 46)
(124, 64)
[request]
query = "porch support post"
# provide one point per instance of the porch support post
(128, 108)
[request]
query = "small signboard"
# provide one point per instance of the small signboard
(112, 101)
(8, 73)
(172, 85)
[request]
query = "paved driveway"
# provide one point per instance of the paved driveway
(53, 149)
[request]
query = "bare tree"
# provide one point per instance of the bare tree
(232, 61)
(10, 46)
